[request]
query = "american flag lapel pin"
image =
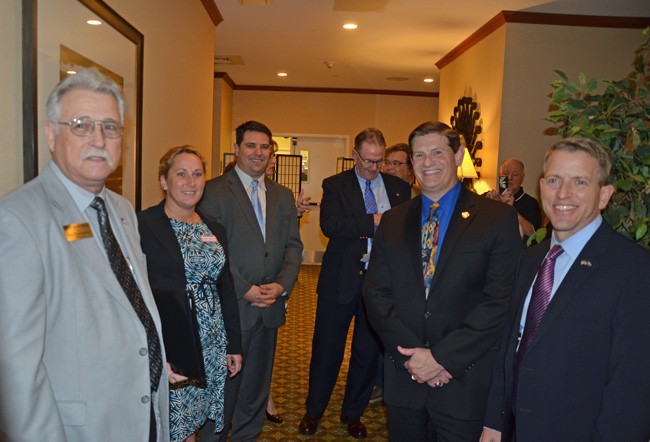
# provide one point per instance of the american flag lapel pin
(465, 215)
(585, 262)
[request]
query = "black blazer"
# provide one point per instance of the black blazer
(462, 319)
(343, 219)
(586, 375)
(166, 269)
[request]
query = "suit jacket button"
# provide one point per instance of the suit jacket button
(143, 351)
(427, 344)
(266, 255)
(427, 315)
(360, 272)
(145, 399)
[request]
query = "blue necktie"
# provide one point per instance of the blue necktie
(257, 207)
(369, 199)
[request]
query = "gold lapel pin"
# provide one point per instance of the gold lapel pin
(585, 262)
(465, 215)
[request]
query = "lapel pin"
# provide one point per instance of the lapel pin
(465, 215)
(585, 262)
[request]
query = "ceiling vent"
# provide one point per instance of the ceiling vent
(228, 59)
(255, 2)
(359, 5)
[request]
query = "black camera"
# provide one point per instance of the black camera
(503, 184)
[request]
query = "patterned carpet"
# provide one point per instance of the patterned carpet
(291, 375)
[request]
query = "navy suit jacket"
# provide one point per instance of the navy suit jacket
(462, 319)
(343, 219)
(166, 267)
(586, 374)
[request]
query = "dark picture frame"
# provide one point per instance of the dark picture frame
(32, 96)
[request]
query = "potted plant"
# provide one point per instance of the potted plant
(619, 119)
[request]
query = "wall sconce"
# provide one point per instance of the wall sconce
(467, 170)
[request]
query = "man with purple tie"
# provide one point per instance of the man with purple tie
(573, 363)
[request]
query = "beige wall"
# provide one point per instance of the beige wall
(478, 74)
(598, 52)
(221, 136)
(510, 72)
(333, 113)
(178, 82)
(11, 149)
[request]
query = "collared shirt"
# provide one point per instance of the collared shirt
(572, 246)
(82, 199)
(378, 189)
(446, 209)
(247, 181)
(381, 197)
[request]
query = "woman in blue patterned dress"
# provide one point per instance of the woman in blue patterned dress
(187, 254)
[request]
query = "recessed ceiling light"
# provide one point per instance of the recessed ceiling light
(428, 80)
(94, 22)
(282, 74)
(350, 26)
(71, 72)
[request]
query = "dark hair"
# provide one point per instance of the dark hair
(436, 127)
(168, 158)
(370, 135)
(401, 147)
(251, 126)
(591, 148)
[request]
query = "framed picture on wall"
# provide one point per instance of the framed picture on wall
(61, 36)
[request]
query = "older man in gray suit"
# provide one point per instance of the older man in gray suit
(80, 351)
(265, 255)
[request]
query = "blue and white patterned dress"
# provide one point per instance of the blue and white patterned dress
(204, 259)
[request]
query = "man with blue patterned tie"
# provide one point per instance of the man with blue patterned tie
(352, 206)
(437, 291)
(573, 362)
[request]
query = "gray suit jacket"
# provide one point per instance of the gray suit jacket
(252, 261)
(72, 349)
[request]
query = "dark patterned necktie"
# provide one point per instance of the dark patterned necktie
(539, 300)
(123, 274)
(430, 231)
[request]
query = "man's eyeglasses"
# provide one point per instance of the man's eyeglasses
(394, 163)
(369, 162)
(84, 127)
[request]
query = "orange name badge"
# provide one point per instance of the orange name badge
(208, 238)
(74, 232)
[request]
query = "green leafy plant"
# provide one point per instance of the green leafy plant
(619, 119)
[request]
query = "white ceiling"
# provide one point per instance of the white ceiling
(399, 38)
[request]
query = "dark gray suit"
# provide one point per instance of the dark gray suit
(255, 262)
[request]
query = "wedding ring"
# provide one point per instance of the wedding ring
(413, 377)
(439, 384)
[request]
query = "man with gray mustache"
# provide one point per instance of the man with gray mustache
(81, 354)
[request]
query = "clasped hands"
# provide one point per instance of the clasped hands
(264, 295)
(424, 368)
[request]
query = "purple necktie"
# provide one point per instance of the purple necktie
(539, 299)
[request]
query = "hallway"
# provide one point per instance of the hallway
(291, 375)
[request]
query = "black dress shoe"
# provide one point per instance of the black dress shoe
(308, 425)
(275, 418)
(355, 428)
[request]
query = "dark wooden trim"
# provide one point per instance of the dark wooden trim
(213, 11)
(330, 90)
(30, 129)
(225, 77)
(594, 21)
